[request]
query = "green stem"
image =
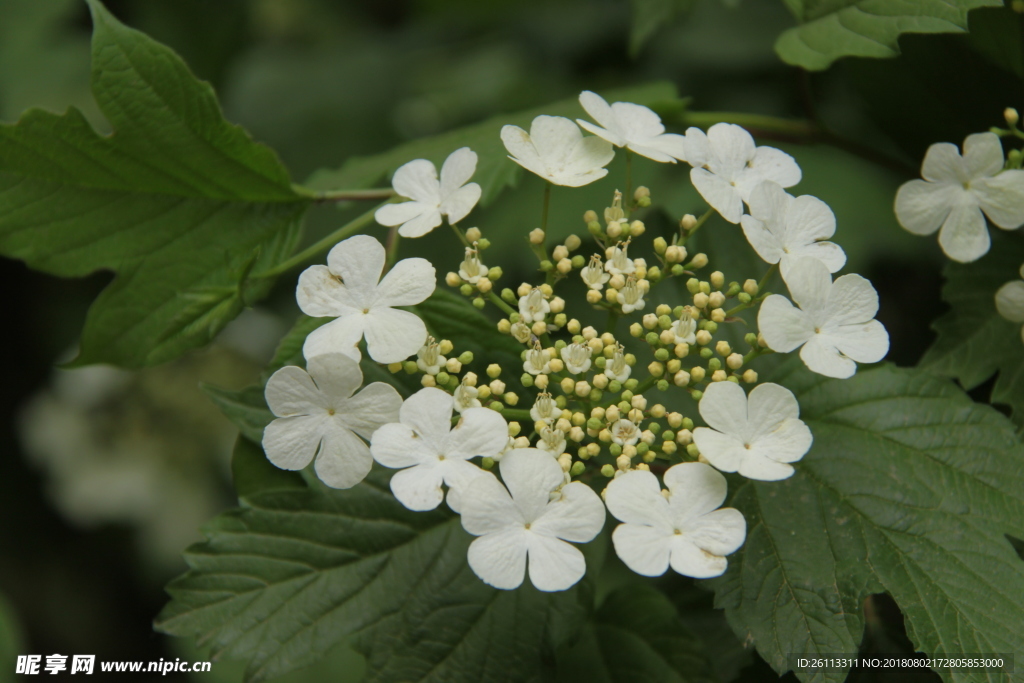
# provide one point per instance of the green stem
(767, 276)
(613, 318)
(696, 226)
(516, 414)
(460, 235)
(629, 181)
(345, 195)
(497, 301)
(547, 204)
(353, 226)
(391, 248)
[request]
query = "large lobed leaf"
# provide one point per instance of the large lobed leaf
(910, 488)
(178, 202)
(974, 342)
(832, 29)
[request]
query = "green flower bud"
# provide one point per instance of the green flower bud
(711, 327)
(662, 385)
(632, 383)
(601, 362)
(705, 287)
(642, 448)
(560, 344)
(560, 402)
(467, 289)
(668, 435)
(608, 471)
(508, 296)
(496, 406)
(546, 266)
(652, 338)
(706, 353)
(664, 322)
(627, 395)
(410, 366)
(661, 354)
(660, 245)
(678, 269)
(561, 320)
(526, 379)
(466, 358)
(624, 406)
(615, 386)
(595, 394)
(577, 469)
(750, 338)
(654, 273)
(697, 395)
(479, 303)
(594, 228)
(595, 424)
(487, 463)
(693, 285)
(483, 243)
(743, 297)
(615, 449)
(678, 311)
(687, 423)
(513, 317)
(582, 453)
(442, 377)
(578, 261)
(714, 364)
(692, 450)
(495, 273)
(643, 202)
(453, 383)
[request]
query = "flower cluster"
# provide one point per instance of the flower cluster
(525, 478)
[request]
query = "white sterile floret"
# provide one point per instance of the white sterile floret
(545, 409)
(684, 330)
(631, 297)
(834, 323)
(551, 441)
(782, 227)
(593, 274)
(956, 190)
(318, 415)
(429, 358)
(756, 435)
(619, 262)
(1010, 301)
(624, 432)
(528, 525)
(576, 358)
(617, 369)
(556, 150)
(727, 166)
(431, 198)
(430, 452)
(537, 362)
(465, 397)
(347, 288)
(633, 126)
(472, 269)
(686, 529)
(533, 307)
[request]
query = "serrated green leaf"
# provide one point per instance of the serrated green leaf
(636, 635)
(450, 316)
(494, 171)
(910, 488)
(181, 204)
(974, 342)
(283, 580)
(832, 29)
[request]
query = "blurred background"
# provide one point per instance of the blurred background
(106, 476)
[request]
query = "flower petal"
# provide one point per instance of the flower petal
(635, 498)
(809, 219)
(320, 294)
(731, 149)
(397, 214)
(829, 253)
(358, 261)
(768, 405)
(724, 451)
(921, 207)
(417, 180)
(602, 133)
(697, 147)
(1002, 198)
(499, 559)
(983, 155)
(724, 407)
(810, 283)
(554, 565)
(344, 459)
(530, 475)
(341, 335)
(337, 376)
(689, 560)
(717, 192)
(578, 516)
(291, 442)
(788, 442)
(649, 149)
(458, 474)
(290, 392)
(761, 238)
(865, 343)
(487, 507)
(456, 171)
(943, 164)
(643, 549)
(637, 121)
(458, 204)
(783, 326)
(852, 299)
(418, 488)
(421, 225)
(768, 164)
(554, 137)
(377, 404)
(821, 356)
(597, 107)
(697, 489)
(587, 159)
(720, 532)
(395, 445)
(522, 150)
(393, 335)
(429, 413)
(964, 236)
(481, 431)
(408, 283)
(1009, 301)
(756, 466)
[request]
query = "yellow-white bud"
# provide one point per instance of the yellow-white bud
(639, 402)
(716, 299)
(536, 236)
(541, 382)
(719, 376)
(564, 266)
(453, 365)
(473, 235)
(750, 376)
(497, 386)
(734, 361)
(700, 300)
(703, 337)
(593, 296)
(452, 279)
(681, 378)
(723, 348)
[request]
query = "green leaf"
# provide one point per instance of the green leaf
(451, 316)
(295, 573)
(181, 204)
(252, 473)
(974, 342)
(910, 488)
(651, 15)
(832, 29)
(494, 171)
(636, 635)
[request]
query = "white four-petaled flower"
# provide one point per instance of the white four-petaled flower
(557, 151)
(633, 126)
(318, 415)
(834, 324)
(576, 358)
(727, 166)
(1010, 301)
(757, 435)
(347, 289)
(528, 524)
(686, 529)
(431, 198)
(956, 190)
(782, 227)
(429, 452)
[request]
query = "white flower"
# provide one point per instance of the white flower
(318, 415)
(347, 289)
(834, 323)
(551, 441)
(624, 432)
(465, 397)
(429, 358)
(521, 332)
(1010, 301)
(631, 297)
(685, 529)
(782, 227)
(956, 190)
(528, 524)
(576, 358)
(533, 307)
(556, 150)
(429, 452)
(593, 274)
(684, 330)
(471, 269)
(633, 126)
(619, 262)
(617, 369)
(757, 435)
(432, 198)
(537, 362)
(545, 409)
(727, 167)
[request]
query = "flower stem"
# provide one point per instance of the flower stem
(767, 277)
(547, 204)
(460, 235)
(497, 301)
(629, 181)
(516, 414)
(696, 226)
(353, 226)
(345, 195)
(391, 247)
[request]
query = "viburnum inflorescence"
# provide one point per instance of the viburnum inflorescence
(523, 451)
